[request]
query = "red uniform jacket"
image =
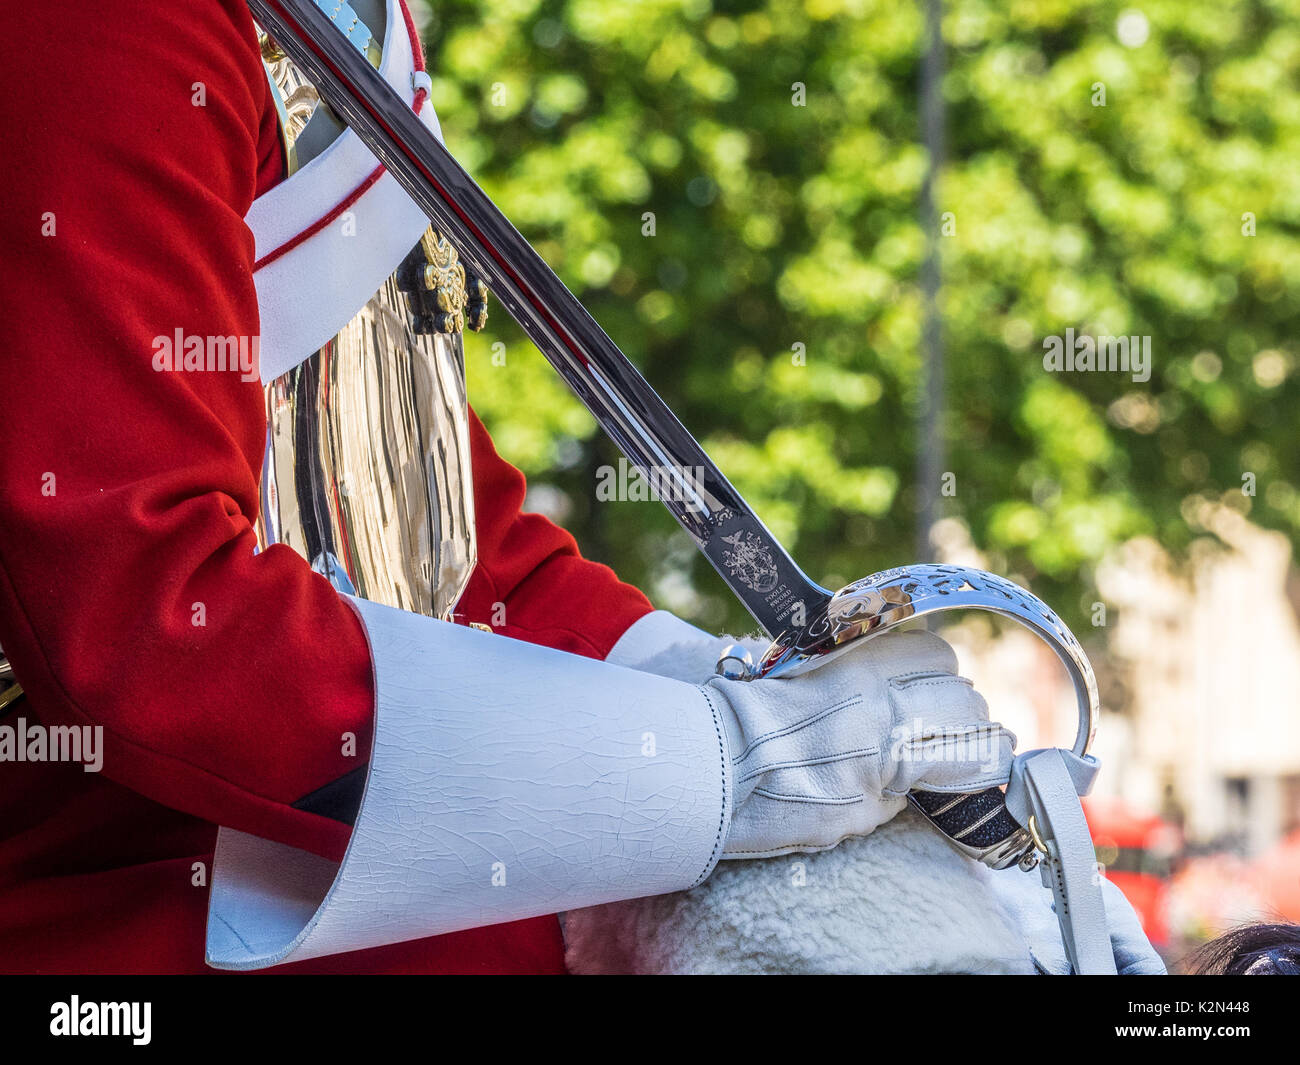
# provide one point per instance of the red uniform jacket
(129, 495)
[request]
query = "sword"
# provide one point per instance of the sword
(806, 622)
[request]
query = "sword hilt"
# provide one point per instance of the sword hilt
(977, 823)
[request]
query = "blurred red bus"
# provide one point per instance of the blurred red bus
(1139, 852)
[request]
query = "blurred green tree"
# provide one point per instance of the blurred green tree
(731, 187)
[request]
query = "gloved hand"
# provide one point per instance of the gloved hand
(833, 752)
(1030, 907)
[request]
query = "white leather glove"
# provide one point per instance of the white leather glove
(833, 752)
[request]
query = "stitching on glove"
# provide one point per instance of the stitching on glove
(852, 700)
(949, 738)
(829, 759)
(917, 674)
(722, 814)
(828, 800)
(905, 681)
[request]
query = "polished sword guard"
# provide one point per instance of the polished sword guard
(978, 823)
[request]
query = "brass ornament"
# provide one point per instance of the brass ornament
(444, 297)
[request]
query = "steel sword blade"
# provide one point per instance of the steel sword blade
(759, 571)
(723, 526)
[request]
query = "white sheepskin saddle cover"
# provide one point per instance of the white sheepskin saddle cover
(898, 901)
(901, 900)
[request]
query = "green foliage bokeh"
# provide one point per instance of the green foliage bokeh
(779, 225)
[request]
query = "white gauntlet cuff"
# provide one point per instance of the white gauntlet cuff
(506, 781)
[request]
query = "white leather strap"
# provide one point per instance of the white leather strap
(506, 781)
(1045, 787)
(307, 295)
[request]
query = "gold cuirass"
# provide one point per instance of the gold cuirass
(367, 465)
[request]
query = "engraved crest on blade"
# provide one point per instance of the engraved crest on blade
(750, 561)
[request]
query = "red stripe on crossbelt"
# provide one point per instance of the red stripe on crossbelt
(417, 52)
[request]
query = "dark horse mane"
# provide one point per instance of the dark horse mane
(1254, 950)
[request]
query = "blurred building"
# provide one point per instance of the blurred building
(1210, 658)
(1200, 677)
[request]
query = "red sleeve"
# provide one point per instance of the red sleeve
(531, 583)
(130, 594)
(136, 131)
